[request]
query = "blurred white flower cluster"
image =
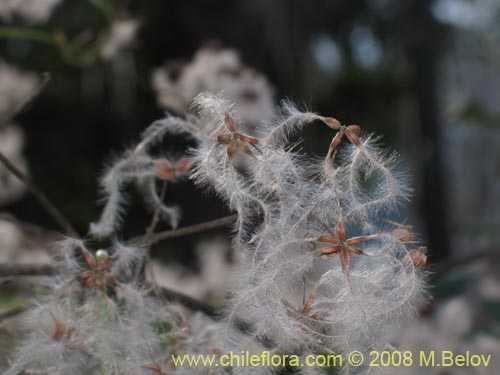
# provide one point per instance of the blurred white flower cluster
(31, 11)
(215, 70)
(211, 283)
(476, 186)
(11, 145)
(120, 36)
(451, 327)
(18, 247)
(16, 88)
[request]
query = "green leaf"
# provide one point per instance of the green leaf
(104, 7)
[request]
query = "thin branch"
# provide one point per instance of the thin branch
(185, 231)
(29, 34)
(40, 196)
(26, 101)
(30, 229)
(70, 52)
(156, 215)
(47, 270)
(13, 312)
(192, 229)
(441, 269)
(9, 269)
(12, 269)
(187, 301)
(168, 294)
(147, 266)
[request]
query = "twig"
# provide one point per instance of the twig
(29, 34)
(31, 229)
(24, 103)
(186, 301)
(47, 269)
(11, 269)
(147, 266)
(185, 231)
(40, 196)
(442, 268)
(156, 215)
(13, 312)
(168, 294)
(438, 270)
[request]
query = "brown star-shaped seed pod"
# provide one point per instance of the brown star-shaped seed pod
(419, 256)
(352, 133)
(236, 141)
(167, 171)
(338, 244)
(97, 273)
(62, 332)
(306, 314)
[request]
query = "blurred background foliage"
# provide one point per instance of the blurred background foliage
(367, 62)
